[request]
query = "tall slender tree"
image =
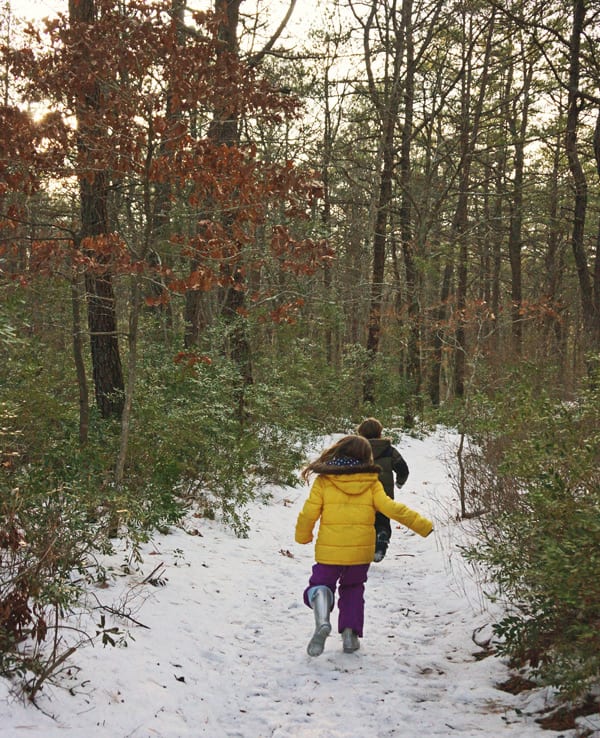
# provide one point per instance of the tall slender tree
(589, 279)
(94, 183)
(383, 21)
(472, 103)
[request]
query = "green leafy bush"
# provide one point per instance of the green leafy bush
(188, 442)
(536, 474)
(59, 504)
(48, 549)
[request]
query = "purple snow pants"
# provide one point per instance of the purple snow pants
(351, 588)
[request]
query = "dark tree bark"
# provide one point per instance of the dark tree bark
(326, 211)
(441, 316)
(102, 317)
(93, 193)
(406, 229)
(158, 215)
(554, 263)
(518, 132)
(379, 244)
(470, 120)
(588, 283)
(596, 274)
(387, 103)
(78, 354)
(224, 130)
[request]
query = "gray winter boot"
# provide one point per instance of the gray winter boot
(321, 602)
(350, 640)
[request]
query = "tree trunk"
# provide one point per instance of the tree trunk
(134, 313)
(326, 211)
(93, 192)
(515, 236)
(159, 215)
(387, 104)
(441, 316)
(498, 232)
(553, 262)
(378, 271)
(587, 287)
(469, 133)
(596, 277)
(102, 315)
(82, 385)
(224, 130)
(406, 228)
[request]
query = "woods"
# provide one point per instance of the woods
(225, 228)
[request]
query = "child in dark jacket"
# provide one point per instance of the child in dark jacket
(344, 499)
(392, 465)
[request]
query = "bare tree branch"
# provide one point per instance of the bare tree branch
(257, 58)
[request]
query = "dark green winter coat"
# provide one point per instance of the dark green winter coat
(391, 462)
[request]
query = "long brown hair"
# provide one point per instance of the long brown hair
(356, 447)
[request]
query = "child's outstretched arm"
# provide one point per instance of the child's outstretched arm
(401, 513)
(309, 514)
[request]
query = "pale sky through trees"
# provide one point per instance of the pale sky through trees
(262, 17)
(302, 15)
(37, 8)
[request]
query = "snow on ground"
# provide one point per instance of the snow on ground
(224, 651)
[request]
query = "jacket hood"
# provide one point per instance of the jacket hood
(351, 480)
(379, 446)
(331, 470)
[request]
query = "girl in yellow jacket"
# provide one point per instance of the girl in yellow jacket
(345, 497)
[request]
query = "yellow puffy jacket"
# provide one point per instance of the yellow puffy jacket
(346, 503)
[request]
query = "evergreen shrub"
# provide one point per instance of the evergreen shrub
(534, 468)
(187, 430)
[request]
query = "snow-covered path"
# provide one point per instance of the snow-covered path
(224, 652)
